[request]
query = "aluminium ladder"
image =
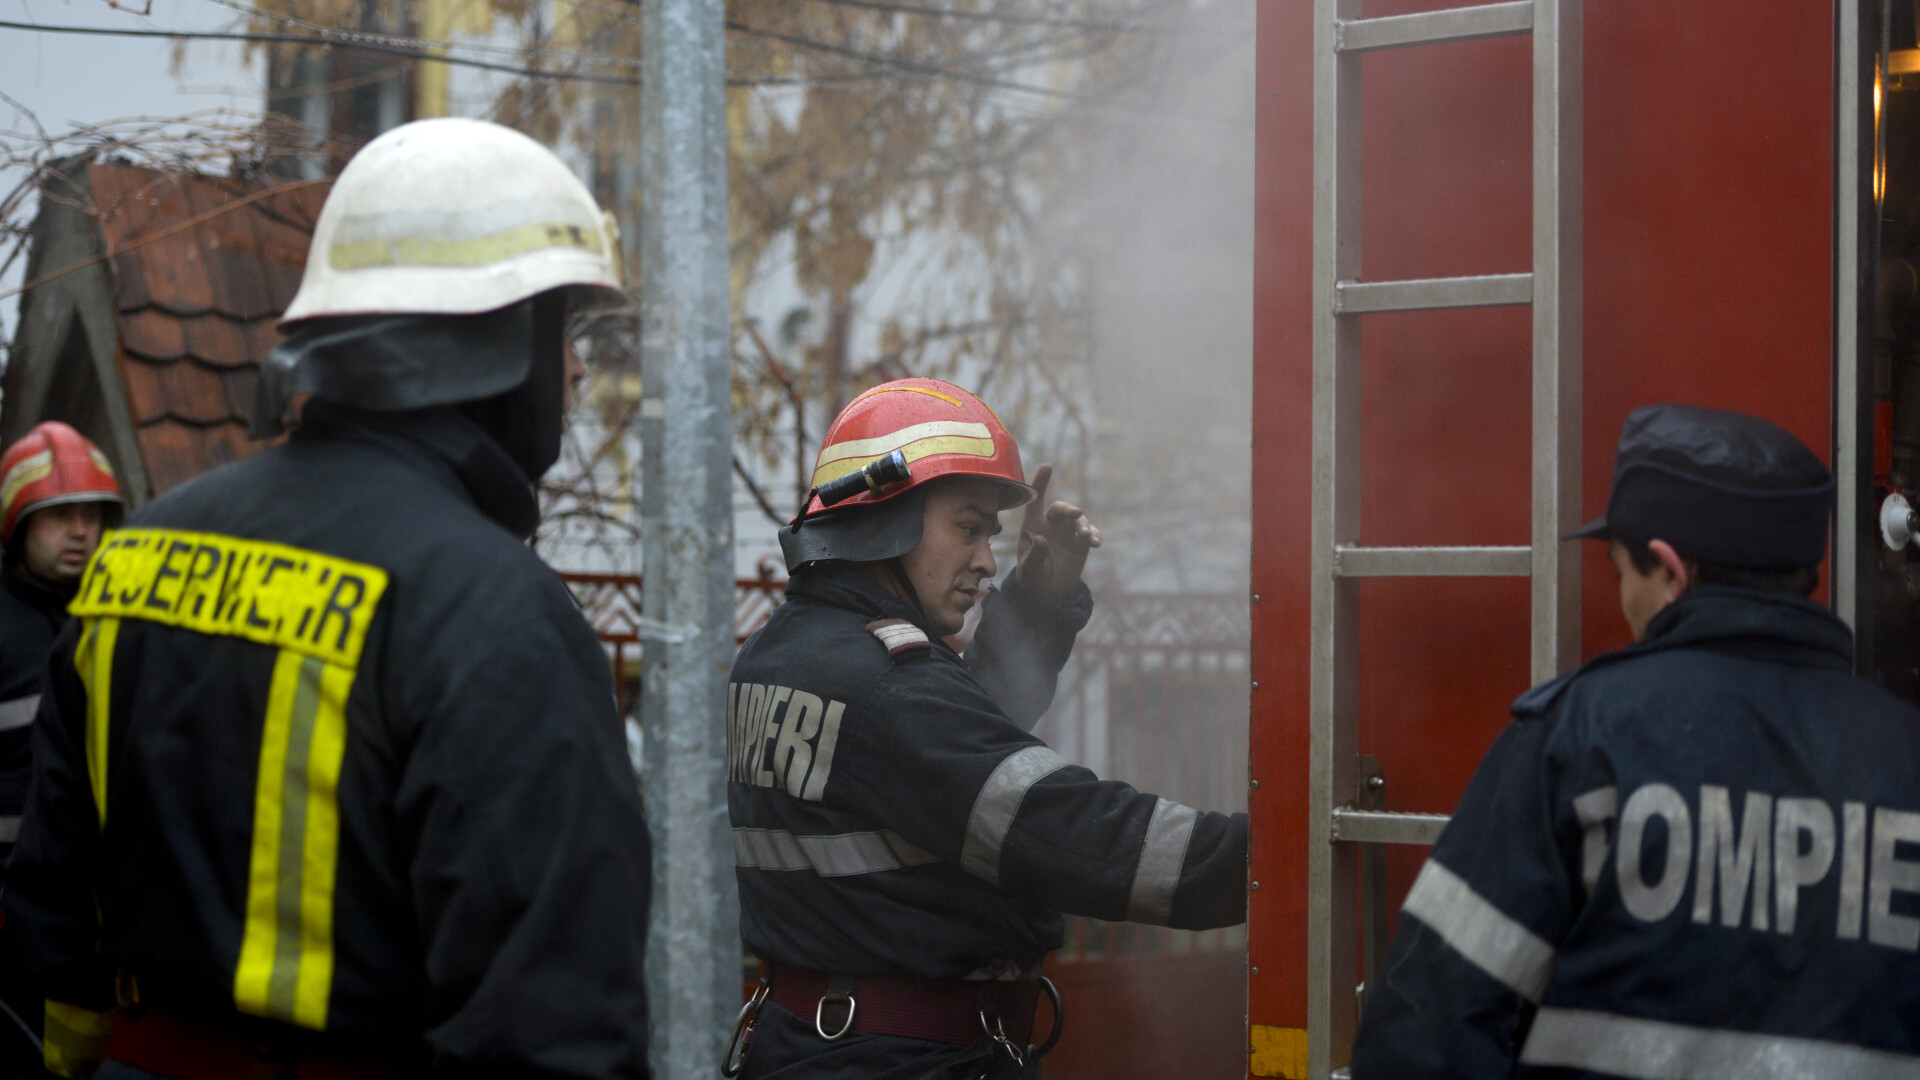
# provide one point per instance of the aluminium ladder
(1345, 824)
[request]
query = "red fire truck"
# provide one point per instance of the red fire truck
(1483, 236)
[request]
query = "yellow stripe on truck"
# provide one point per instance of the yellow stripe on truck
(1277, 1051)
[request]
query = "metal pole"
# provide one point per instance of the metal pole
(1558, 246)
(686, 430)
(1333, 711)
(1856, 228)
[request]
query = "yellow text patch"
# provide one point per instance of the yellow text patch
(309, 603)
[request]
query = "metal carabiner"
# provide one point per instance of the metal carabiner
(998, 1034)
(736, 1056)
(1059, 1020)
(820, 1012)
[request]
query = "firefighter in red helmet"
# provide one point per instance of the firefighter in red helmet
(905, 847)
(57, 493)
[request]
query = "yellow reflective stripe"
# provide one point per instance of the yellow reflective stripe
(479, 251)
(31, 470)
(285, 970)
(321, 852)
(255, 969)
(867, 449)
(913, 451)
(93, 662)
(1277, 1051)
(73, 1039)
(948, 398)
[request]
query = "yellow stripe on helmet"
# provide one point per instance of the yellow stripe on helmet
(948, 398)
(479, 251)
(868, 449)
(31, 470)
(913, 451)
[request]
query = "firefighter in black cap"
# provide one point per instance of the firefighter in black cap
(1696, 857)
(330, 781)
(904, 846)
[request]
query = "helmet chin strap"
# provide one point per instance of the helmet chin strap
(912, 595)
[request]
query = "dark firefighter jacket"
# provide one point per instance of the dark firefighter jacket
(890, 818)
(1695, 857)
(32, 611)
(358, 761)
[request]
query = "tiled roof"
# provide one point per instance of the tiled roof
(202, 266)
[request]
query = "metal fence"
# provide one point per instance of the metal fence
(612, 606)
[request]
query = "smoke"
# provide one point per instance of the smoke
(1163, 223)
(1161, 218)
(1122, 354)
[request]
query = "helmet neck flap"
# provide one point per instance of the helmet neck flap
(505, 368)
(862, 533)
(527, 420)
(878, 533)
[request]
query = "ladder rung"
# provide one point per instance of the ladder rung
(1488, 290)
(1351, 561)
(1426, 28)
(1381, 827)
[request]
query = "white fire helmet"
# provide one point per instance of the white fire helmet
(455, 217)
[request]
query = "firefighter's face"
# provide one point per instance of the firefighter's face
(60, 540)
(575, 374)
(953, 560)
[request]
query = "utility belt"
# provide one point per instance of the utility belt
(957, 1011)
(192, 1047)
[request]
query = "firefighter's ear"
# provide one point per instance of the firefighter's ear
(1680, 572)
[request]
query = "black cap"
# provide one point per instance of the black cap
(1721, 487)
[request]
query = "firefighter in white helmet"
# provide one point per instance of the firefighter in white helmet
(331, 777)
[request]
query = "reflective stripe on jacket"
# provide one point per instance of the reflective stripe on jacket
(32, 612)
(890, 818)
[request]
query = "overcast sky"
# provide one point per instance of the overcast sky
(69, 79)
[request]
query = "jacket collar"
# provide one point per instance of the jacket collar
(490, 478)
(840, 585)
(1788, 628)
(1717, 618)
(38, 591)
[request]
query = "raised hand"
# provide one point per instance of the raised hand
(1055, 538)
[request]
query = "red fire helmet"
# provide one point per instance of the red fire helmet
(941, 429)
(50, 465)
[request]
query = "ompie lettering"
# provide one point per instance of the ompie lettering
(1751, 857)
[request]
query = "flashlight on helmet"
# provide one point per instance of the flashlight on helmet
(877, 474)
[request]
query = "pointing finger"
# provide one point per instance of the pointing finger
(1042, 480)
